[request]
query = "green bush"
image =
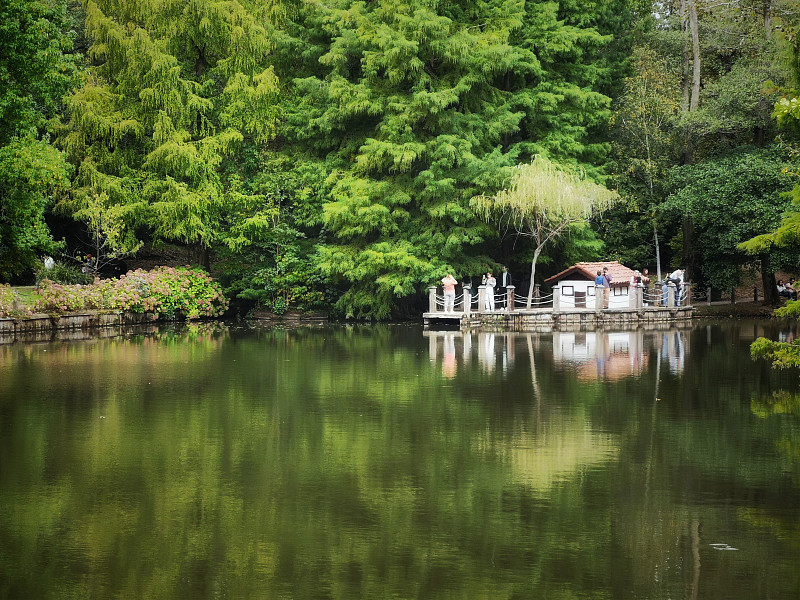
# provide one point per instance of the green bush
(782, 354)
(790, 311)
(65, 274)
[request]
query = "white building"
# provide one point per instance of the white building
(578, 288)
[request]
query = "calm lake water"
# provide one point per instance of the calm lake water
(388, 462)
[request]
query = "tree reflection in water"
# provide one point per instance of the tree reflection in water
(356, 462)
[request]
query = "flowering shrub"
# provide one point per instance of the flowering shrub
(164, 291)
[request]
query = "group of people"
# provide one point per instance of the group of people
(449, 284)
(603, 280)
(642, 279)
(675, 278)
(788, 289)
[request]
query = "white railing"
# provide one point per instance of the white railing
(540, 301)
(643, 297)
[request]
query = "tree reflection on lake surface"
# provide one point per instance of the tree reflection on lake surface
(384, 461)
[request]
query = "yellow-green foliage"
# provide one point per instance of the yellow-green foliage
(781, 354)
(176, 92)
(543, 200)
(544, 196)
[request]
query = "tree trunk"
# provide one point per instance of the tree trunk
(531, 285)
(685, 59)
(694, 101)
(203, 257)
(771, 297)
(767, 14)
(691, 81)
(658, 253)
(687, 256)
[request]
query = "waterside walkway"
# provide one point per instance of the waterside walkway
(554, 312)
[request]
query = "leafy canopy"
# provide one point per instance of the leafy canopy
(542, 201)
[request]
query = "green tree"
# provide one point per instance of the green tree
(729, 200)
(33, 175)
(697, 94)
(787, 232)
(176, 93)
(36, 69)
(542, 201)
(268, 257)
(414, 109)
(645, 147)
(36, 65)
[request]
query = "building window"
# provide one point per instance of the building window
(567, 290)
(590, 290)
(620, 291)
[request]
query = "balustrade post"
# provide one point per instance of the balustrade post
(671, 293)
(556, 298)
(599, 297)
(481, 299)
(432, 299)
(708, 295)
(688, 289)
(467, 308)
(510, 297)
(536, 291)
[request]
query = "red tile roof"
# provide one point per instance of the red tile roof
(620, 274)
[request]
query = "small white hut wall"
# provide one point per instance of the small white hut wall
(570, 287)
(619, 297)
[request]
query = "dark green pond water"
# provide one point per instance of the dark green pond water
(388, 462)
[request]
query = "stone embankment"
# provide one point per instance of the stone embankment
(44, 327)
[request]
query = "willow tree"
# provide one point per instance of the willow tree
(543, 201)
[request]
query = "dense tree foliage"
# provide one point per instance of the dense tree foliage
(177, 92)
(36, 65)
(36, 68)
(321, 153)
(415, 108)
(671, 132)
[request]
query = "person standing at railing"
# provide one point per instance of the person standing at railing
(645, 285)
(600, 284)
(491, 282)
(449, 283)
(606, 287)
(636, 279)
(675, 278)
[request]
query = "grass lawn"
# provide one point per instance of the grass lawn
(26, 293)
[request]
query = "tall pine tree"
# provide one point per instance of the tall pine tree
(415, 107)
